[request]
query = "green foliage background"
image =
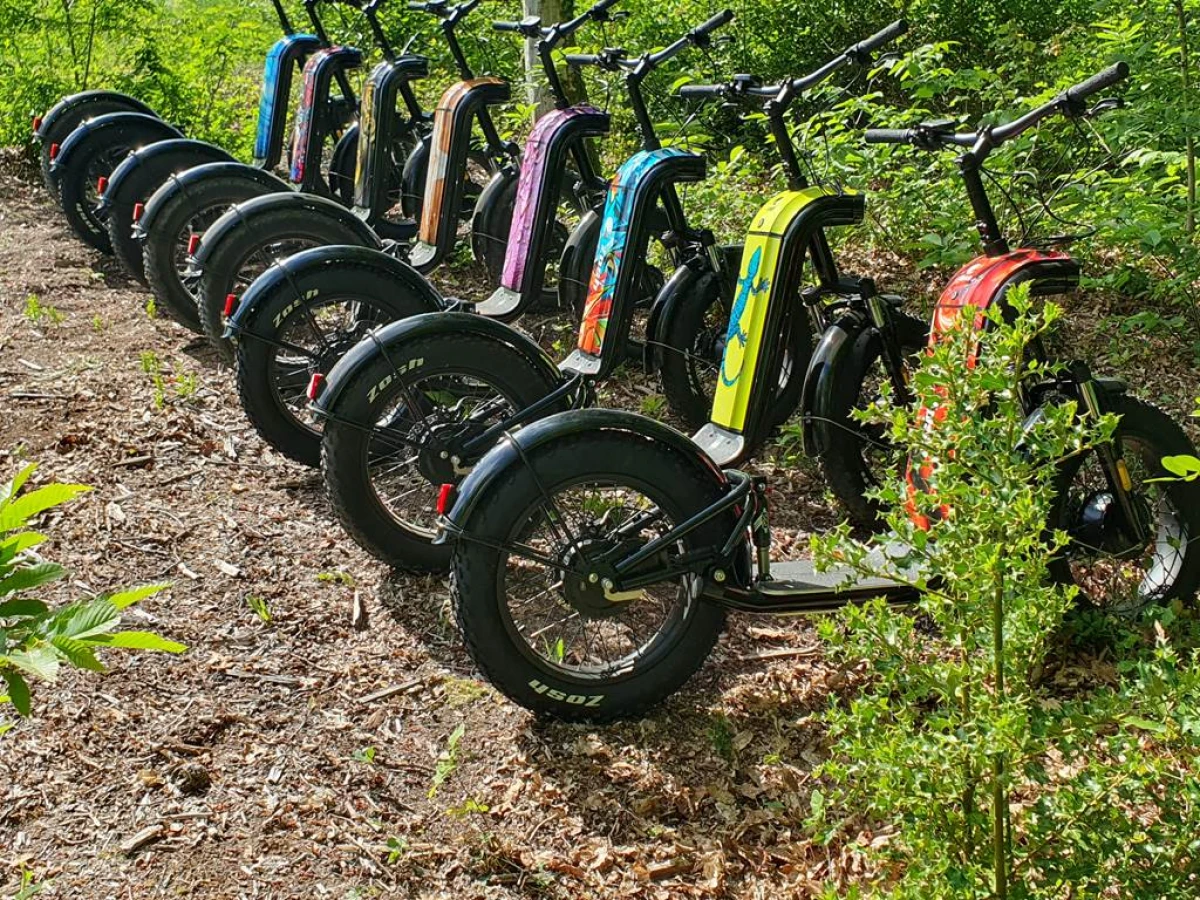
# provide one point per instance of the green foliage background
(198, 62)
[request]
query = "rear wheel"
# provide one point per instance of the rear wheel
(305, 327)
(66, 122)
(399, 430)
(93, 158)
(544, 631)
(1113, 569)
(137, 187)
(244, 253)
(187, 214)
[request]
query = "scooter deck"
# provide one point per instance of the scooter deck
(801, 576)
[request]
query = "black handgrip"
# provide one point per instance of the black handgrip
(721, 18)
(582, 59)
(602, 7)
(507, 26)
(702, 91)
(884, 36)
(1098, 82)
(888, 135)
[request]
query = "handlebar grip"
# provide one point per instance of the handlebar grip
(416, 6)
(722, 18)
(884, 36)
(507, 26)
(602, 6)
(701, 91)
(888, 135)
(582, 59)
(1098, 82)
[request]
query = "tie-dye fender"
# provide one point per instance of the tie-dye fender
(273, 101)
(635, 185)
(770, 235)
(451, 139)
(978, 286)
(318, 78)
(542, 164)
(379, 124)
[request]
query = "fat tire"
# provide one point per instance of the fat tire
(223, 262)
(499, 655)
(219, 192)
(1158, 430)
(841, 458)
(66, 122)
(274, 423)
(344, 446)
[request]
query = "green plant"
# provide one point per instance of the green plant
(468, 807)
(397, 847)
(344, 578)
(35, 640)
(98, 325)
(986, 782)
(185, 383)
(448, 760)
(151, 308)
(259, 607)
(37, 313)
(365, 755)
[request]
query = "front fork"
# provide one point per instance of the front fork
(1110, 454)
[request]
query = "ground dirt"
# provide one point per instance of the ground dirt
(311, 755)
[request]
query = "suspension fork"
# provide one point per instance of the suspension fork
(880, 312)
(1116, 472)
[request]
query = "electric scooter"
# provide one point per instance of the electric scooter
(596, 553)
(304, 312)
(86, 160)
(123, 195)
(420, 400)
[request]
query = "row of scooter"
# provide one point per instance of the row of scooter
(445, 434)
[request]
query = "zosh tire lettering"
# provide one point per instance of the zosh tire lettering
(592, 700)
(291, 307)
(407, 367)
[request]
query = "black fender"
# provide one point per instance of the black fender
(543, 166)
(629, 251)
(155, 130)
(317, 116)
(296, 269)
(286, 53)
(575, 266)
(391, 337)
(513, 450)
(380, 126)
(73, 102)
(489, 208)
(451, 140)
(802, 233)
(1046, 277)
(187, 152)
(412, 179)
(824, 369)
(342, 167)
(189, 179)
(241, 220)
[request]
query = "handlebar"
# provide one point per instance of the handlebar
(745, 86)
(442, 9)
(934, 135)
(531, 26)
(613, 58)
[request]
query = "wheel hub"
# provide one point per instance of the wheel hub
(441, 459)
(1098, 523)
(592, 595)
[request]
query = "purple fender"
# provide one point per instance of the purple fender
(543, 163)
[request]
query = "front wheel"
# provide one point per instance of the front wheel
(1114, 570)
(401, 429)
(856, 456)
(543, 631)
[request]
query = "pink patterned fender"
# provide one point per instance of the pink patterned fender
(529, 190)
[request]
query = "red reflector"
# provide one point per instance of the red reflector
(37, 124)
(138, 209)
(54, 151)
(230, 304)
(444, 495)
(314, 385)
(101, 185)
(193, 243)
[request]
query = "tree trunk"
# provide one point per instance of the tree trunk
(1185, 66)
(550, 12)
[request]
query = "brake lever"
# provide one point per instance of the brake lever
(408, 45)
(1108, 104)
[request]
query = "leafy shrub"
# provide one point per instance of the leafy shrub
(35, 640)
(982, 780)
